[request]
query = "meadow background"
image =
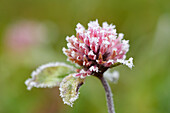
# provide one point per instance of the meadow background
(33, 32)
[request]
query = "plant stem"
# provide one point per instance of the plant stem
(109, 95)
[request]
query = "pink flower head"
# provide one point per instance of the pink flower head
(24, 35)
(97, 48)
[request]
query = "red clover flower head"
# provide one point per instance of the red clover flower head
(97, 49)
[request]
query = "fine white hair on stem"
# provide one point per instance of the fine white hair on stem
(109, 95)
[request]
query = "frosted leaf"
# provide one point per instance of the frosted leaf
(48, 75)
(112, 76)
(69, 89)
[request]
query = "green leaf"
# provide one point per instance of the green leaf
(48, 75)
(69, 89)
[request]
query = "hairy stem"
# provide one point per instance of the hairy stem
(109, 95)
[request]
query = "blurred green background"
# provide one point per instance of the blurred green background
(33, 32)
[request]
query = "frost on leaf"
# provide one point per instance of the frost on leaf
(48, 75)
(69, 89)
(112, 76)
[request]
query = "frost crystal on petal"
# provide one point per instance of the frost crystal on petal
(69, 88)
(129, 62)
(94, 68)
(48, 75)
